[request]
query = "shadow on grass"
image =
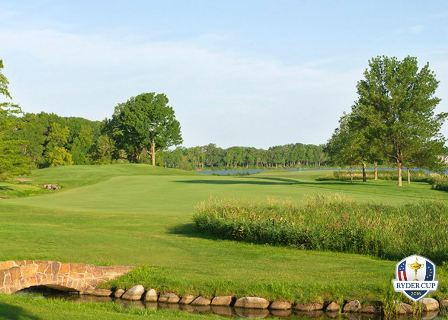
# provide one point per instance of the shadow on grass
(5, 188)
(11, 312)
(269, 181)
(190, 230)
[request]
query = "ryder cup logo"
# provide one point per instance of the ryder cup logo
(415, 277)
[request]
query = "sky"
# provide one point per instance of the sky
(248, 73)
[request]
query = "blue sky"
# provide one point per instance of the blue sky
(256, 73)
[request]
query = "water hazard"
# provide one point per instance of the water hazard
(218, 310)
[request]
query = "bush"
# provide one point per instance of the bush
(335, 224)
(441, 183)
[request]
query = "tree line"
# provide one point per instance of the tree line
(211, 156)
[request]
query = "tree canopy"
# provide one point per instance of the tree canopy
(145, 122)
(13, 160)
(394, 117)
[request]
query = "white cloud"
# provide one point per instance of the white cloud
(219, 96)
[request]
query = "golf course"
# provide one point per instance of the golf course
(139, 215)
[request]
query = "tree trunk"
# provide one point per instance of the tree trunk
(400, 175)
(153, 152)
(364, 176)
(409, 176)
(351, 175)
(376, 170)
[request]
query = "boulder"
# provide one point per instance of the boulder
(444, 303)
(118, 293)
(151, 296)
(169, 297)
(252, 303)
(371, 309)
(201, 301)
(280, 305)
(352, 306)
(333, 307)
(50, 186)
(222, 301)
(314, 306)
(187, 299)
(404, 308)
(429, 304)
(134, 293)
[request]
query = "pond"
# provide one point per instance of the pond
(218, 310)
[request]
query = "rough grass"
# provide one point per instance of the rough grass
(335, 224)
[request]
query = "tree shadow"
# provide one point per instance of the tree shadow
(190, 230)
(269, 181)
(12, 312)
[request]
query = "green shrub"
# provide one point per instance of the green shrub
(335, 224)
(441, 183)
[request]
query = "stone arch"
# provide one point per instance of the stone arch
(18, 275)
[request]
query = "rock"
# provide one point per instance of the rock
(371, 309)
(50, 186)
(134, 293)
(222, 301)
(100, 292)
(333, 307)
(430, 304)
(352, 306)
(444, 303)
(118, 293)
(169, 297)
(252, 303)
(314, 306)
(201, 301)
(404, 308)
(280, 305)
(151, 296)
(187, 299)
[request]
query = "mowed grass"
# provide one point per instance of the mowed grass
(142, 216)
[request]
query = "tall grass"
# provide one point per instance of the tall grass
(333, 223)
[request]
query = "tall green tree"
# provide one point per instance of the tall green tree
(345, 147)
(145, 122)
(13, 160)
(396, 107)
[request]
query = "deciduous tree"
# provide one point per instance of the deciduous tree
(145, 121)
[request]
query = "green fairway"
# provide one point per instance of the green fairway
(141, 216)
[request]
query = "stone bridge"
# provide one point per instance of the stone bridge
(18, 275)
